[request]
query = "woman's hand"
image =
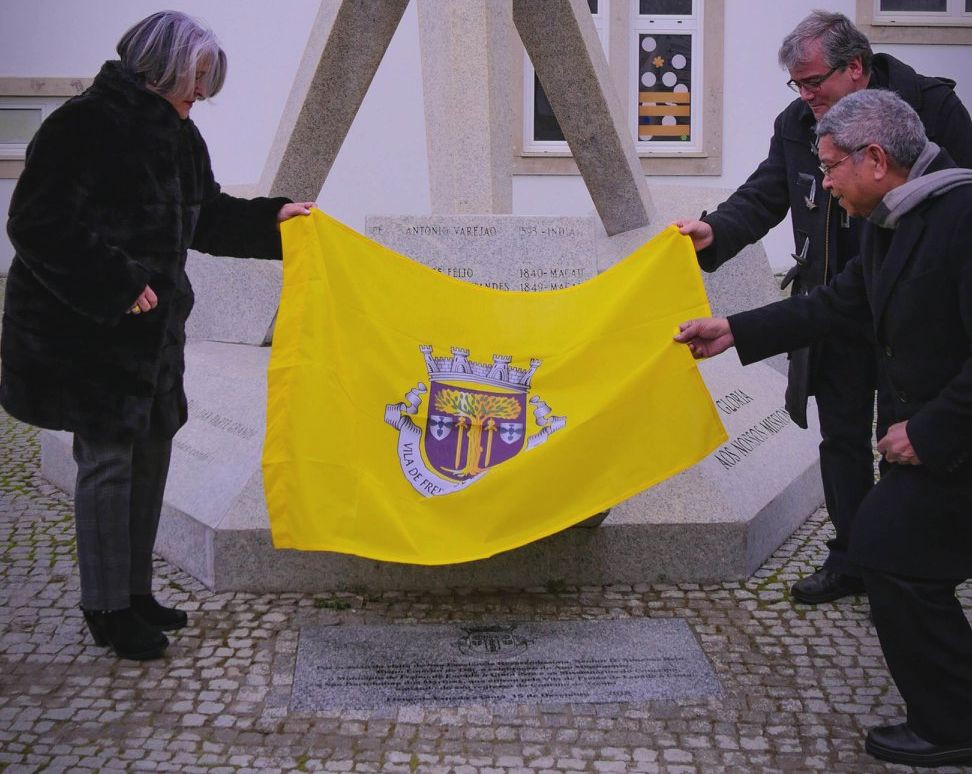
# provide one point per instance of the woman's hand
(146, 302)
(294, 209)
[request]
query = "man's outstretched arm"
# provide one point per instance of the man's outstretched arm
(706, 337)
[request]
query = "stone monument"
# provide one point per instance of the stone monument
(717, 521)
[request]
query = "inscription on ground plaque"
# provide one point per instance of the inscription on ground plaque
(507, 252)
(370, 667)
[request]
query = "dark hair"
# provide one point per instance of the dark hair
(839, 39)
(166, 49)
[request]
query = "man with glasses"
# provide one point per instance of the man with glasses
(911, 285)
(827, 58)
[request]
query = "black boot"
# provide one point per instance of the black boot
(125, 633)
(163, 618)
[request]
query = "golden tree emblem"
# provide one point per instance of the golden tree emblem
(478, 412)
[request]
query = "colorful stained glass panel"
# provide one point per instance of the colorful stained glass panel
(665, 87)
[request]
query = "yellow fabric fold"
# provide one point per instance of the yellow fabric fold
(416, 418)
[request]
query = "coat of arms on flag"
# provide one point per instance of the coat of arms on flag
(477, 418)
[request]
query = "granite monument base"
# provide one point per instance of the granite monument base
(716, 521)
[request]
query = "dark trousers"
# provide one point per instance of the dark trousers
(843, 383)
(117, 503)
(927, 643)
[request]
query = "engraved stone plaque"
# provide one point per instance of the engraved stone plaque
(216, 452)
(507, 252)
(449, 665)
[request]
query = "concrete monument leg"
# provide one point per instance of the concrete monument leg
(346, 45)
(466, 50)
(560, 39)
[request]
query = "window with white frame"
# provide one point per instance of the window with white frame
(666, 75)
(955, 13)
(941, 22)
(24, 104)
(20, 118)
(664, 45)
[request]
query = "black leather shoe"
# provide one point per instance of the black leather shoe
(166, 619)
(825, 586)
(899, 744)
(126, 634)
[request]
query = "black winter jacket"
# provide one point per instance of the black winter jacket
(913, 288)
(789, 180)
(115, 189)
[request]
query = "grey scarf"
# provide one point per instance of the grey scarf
(918, 188)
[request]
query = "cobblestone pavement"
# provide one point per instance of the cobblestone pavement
(801, 684)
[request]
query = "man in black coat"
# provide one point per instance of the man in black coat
(911, 286)
(827, 58)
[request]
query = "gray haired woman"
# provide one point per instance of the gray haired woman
(116, 188)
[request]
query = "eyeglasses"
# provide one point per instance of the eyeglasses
(814, 82)
(827, 169)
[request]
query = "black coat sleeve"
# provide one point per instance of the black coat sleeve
(754, 208)
(838, 308)
(48, 228)
(231, 226)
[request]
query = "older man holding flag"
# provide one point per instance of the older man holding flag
(912, 285)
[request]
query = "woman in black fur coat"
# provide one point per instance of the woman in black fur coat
(117, 186)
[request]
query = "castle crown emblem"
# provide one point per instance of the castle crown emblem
(459, 367)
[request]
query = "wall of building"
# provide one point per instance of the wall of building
(382, 167)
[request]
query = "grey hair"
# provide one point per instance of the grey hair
(840, 42)
(165, 51)
(879, 117)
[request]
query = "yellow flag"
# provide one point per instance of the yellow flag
(413, 417)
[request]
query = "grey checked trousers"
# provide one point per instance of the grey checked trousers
(117, 503)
